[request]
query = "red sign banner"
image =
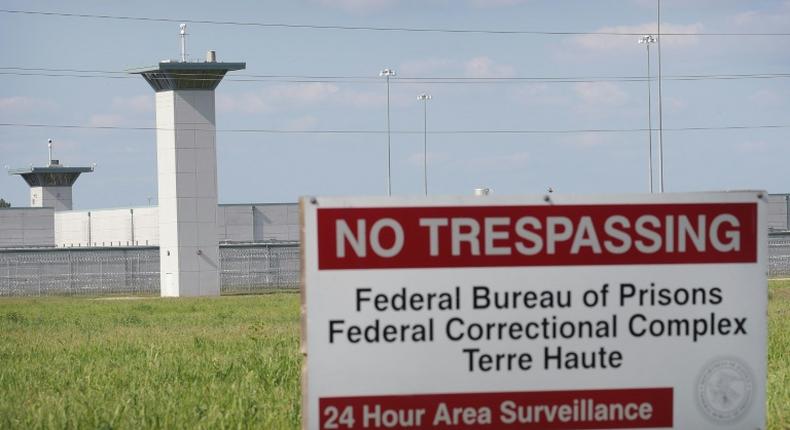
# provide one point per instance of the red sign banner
(544, 410)
(551, 235)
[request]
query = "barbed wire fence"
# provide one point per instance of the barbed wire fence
(249, 269)
(85, 271)
(244, 269)
(779, 255)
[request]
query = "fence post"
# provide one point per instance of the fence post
(249, 269)
(39, 282)
(89, 229)
(787, 211)
(136, 275)
(71, 272)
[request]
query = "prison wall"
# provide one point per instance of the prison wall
(27, 227)
(236, 223)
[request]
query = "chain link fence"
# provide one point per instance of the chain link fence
(779, 255)
(245, 269)
(249, 269)
(95, 272)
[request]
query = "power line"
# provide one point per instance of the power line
(374, 78)
(62, 75)
(407, 77)
(66, 73)
(438, 132)
(369, 28)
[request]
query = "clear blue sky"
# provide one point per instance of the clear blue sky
(271, 167)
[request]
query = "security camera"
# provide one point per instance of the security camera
(49, 140)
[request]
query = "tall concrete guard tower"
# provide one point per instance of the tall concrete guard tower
(187, 171)
(50, 186)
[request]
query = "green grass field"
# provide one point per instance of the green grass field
(230, 362)
(779, 355)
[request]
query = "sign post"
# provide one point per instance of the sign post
(555, 312)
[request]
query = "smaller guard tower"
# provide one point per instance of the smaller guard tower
(50, 186)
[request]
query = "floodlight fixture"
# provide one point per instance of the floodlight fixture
(647, 39)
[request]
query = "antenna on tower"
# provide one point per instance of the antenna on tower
(182, 31)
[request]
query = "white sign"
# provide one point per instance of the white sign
(555, 312)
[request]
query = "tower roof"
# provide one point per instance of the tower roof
(171, 75)
(51, 176)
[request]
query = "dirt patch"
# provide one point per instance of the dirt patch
(780, 294)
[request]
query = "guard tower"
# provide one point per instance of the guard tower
(50, 186)
(187, 171)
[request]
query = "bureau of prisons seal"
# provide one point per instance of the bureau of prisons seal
(725, 389)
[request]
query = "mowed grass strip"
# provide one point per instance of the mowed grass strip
(225, 363)
(230, 362)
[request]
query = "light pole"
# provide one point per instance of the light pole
(387, 73)
(182, 31)
(424, 98)
(647, 40)
(660, 109)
